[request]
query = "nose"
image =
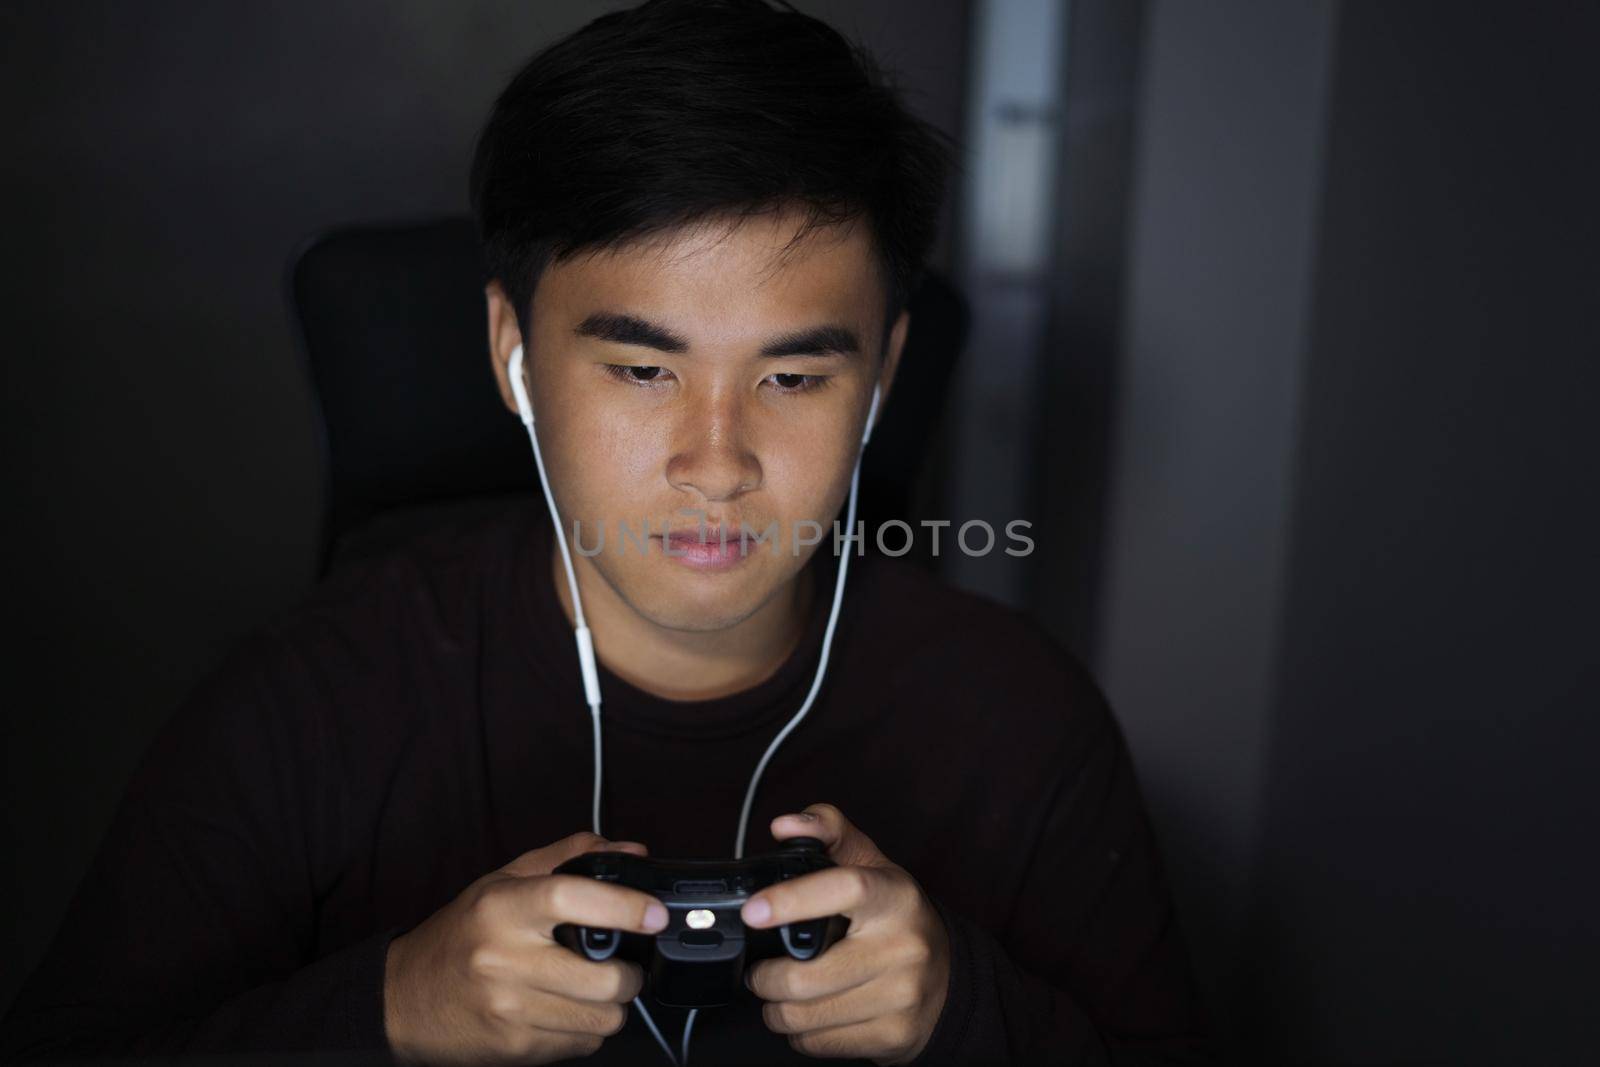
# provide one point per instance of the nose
(711, 458)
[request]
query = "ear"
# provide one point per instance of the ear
(504, 336)
(891, 358)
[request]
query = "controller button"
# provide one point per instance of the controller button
(801, 941)
(600, 944)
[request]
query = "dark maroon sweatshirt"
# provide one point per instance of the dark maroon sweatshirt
(420, 721)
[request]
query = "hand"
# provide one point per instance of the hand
(878, 992)
(482, 980)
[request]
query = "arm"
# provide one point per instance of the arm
(194, 928)
(1091, 969)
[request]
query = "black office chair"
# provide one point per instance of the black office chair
(395, 339)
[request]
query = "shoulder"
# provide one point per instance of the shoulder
(434, 579)
(423, 602)
(965, 653)
(353, 654)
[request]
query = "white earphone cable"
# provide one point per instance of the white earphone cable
(822, 667)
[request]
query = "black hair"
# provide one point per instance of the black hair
(677, 111)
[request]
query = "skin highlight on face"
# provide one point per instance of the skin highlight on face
(715, 375)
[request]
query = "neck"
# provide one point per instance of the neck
(685, 664)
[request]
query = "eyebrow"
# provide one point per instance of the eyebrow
(816, 341)
(621, 329)
(630, 330)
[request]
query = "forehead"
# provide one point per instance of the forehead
(725, 280)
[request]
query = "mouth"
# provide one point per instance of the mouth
(709, 548)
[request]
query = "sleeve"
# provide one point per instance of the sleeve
(1091, 969)
(194, 929)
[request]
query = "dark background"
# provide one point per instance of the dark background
(1312, 468)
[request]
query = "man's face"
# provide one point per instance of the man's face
(699, 380)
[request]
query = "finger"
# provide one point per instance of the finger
(875, 1039)
(558, 1014)
(844, 967)
(589, 903)
(857, 892)
(606, 982)
(846, 844)
(882, 996)
(556, 969)
(544, 860)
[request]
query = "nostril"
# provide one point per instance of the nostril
(714, 479)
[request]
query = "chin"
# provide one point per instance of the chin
(674, 597)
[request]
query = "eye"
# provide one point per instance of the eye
(637, 375)
(797, 383)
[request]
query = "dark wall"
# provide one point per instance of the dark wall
(1078, 368)
(1428, 880)
(1348, 575)
(161, 162)
(1216, 302)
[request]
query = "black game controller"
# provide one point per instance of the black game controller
(698, 959)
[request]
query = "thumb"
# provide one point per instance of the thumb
(546, 859)
(845, 842)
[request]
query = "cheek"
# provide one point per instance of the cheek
(615, 464)
(808, 473)
(628, 452)
(598, 458)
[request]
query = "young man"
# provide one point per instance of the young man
(703, 221)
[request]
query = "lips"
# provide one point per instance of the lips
(711, 535)
(711, 548)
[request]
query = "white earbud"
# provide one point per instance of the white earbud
(519, 389)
